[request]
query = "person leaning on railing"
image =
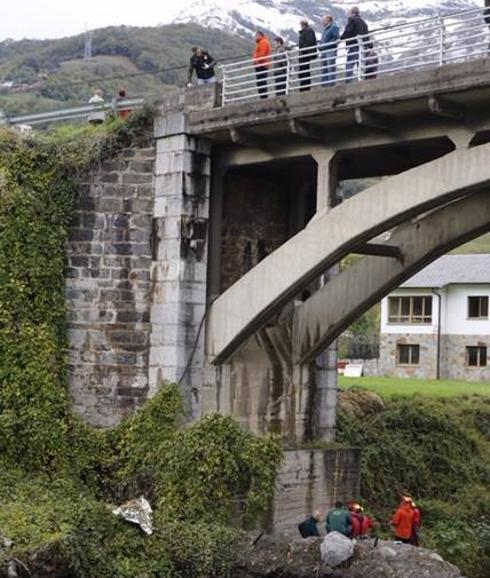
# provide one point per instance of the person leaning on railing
(262, 62)
(308, 52)
(280, 66)
(328, 50)
(356, 26)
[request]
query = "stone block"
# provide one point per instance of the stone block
(137, 179)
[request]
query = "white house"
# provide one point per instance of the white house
(437, 324)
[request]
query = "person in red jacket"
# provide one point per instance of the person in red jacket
(402, 521)
(361, 524)
(262, 62)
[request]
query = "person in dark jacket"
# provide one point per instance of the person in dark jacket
(307, 45)
(356, 26)
(202, 63)
(309, 528)
(371, 60)
(339, 520)
(328, 50)
(280, 65)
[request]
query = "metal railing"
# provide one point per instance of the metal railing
(73, 113)
(424, 44)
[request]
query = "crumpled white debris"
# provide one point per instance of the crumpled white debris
(137, 512)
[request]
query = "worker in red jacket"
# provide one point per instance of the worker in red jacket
(361, 524)
(402, 521)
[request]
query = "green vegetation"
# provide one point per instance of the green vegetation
(438, 451)
(480, 245)
(392, 387)
(54, 74)
(57, 474)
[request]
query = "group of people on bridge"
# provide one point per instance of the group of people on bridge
(353, 523)
(266, 56)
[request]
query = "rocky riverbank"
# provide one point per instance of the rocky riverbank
(279, 557)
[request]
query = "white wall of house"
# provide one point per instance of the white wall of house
(454, 312)
(455, 317)
(408, 328)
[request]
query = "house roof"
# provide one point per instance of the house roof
(453, 269)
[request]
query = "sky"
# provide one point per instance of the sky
(57, 18)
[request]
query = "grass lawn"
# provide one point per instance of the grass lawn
(393, 387)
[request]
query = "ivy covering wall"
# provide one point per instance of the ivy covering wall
(57, 474)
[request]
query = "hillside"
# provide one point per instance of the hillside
(146, 61)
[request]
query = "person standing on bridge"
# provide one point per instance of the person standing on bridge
(356, 27)
(280, 66)
(97, 114)
(308, 52)
(328, 50)
(202, 63)
(262, 61)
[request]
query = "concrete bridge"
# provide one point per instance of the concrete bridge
(212, 258)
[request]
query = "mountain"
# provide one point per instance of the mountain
(244, 17)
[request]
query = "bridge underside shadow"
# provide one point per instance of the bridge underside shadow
(269, 344)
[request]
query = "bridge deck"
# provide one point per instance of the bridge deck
(463, 87)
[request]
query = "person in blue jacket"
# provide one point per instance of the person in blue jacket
(328, 50)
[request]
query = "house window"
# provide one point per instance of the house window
(478, 307)
(476, 356)
(416, 310)
(408, 354)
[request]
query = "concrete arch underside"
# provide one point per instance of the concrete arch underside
(334, 307)
(261, 294)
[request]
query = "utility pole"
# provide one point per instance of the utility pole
(88, 45)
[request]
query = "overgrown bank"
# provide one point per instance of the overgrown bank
(438, 451)
(58, 475)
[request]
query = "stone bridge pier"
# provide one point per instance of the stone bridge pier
(213, 257)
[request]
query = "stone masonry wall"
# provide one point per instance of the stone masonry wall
(427, 368)
(255, 223)
(453, 357)
(108, 288)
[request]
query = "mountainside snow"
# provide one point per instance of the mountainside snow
(282, 17)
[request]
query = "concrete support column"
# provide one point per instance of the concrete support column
(326, 377)
(179, 269)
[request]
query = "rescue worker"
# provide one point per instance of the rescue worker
(402, 521)
(339, 520)
(262, 61)
(309, 528)
(361, 524)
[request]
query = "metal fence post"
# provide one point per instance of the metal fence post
(288, 73)
(223, 98)
(442, 40)
(360, 67)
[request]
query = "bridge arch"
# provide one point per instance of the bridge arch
(332, 309)
(257, 297)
